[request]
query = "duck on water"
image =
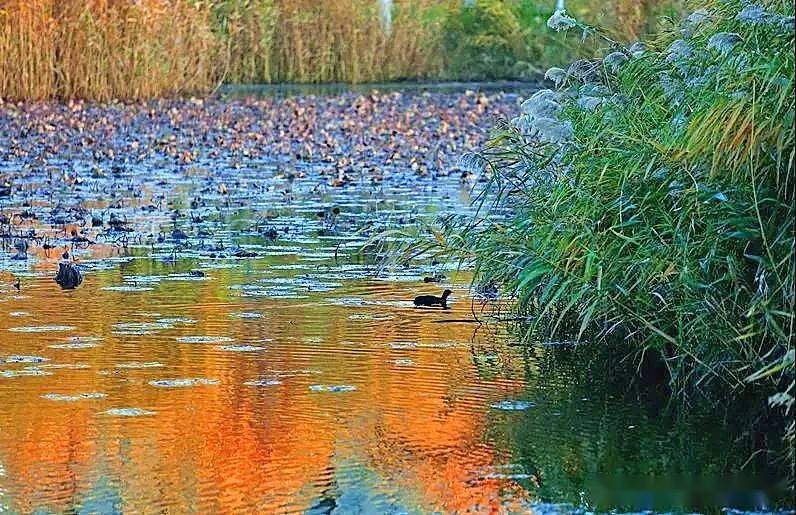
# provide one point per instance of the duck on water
(431, 300)
(68, 276)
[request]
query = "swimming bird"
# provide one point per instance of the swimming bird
(68, 276)
(431, 300)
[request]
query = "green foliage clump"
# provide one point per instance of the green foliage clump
(489, 39)
(651, 198)
(494, 39)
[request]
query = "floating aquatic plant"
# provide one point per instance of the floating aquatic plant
(128, 412)
(263, 382)
(241, 348)
(15, 358)
(509, 405)
(25, 372)
(184, 382)
(42, 329)
(73, 398)
(204, 339)
(333, 388)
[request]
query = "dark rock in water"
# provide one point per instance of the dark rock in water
(178, 234)
(431, 300)
(68, 277)
(96, 221)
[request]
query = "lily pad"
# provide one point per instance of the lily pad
(25, 372)
(15, 358)
(184, 382)
(128, 412)
(241, 348)
(137, 364)
(509, 405)
(73, 398)
(42, 329)
(334, 388)
(246, 314)
(263, 382)
(204, 339)
(74, 346)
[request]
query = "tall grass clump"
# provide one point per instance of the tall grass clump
(650, 197)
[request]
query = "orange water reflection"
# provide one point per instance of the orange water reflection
(411, 436)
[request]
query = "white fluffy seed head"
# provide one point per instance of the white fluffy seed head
(557, 75)
(540, 107)
(550, 130)
(678, 50)
(637, 49)
(724, 42)
(614, 61)
(561, 21)
(753, 14)
(589, 103)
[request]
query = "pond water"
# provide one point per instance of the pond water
(232, 348)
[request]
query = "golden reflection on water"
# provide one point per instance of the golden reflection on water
(411, 436)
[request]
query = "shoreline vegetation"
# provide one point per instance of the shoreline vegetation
(133, 50)
(648, 201)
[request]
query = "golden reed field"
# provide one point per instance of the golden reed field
(133, 49)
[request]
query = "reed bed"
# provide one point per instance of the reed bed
(103, 49)
(346, 42)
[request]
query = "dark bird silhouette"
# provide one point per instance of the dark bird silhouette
(431, 300)
(68, 276)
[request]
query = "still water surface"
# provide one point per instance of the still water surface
(297, 376)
